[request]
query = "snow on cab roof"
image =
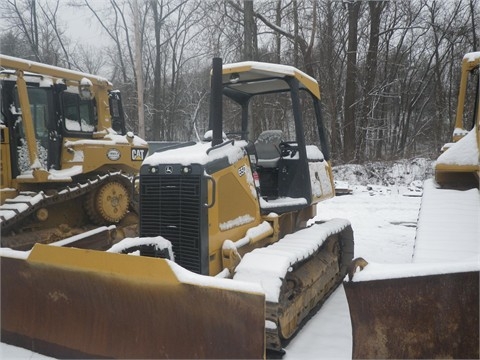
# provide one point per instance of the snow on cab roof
(472, 56)
(256, 71)
(471, 61)
(10, 62)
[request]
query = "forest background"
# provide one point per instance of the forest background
(388, 70)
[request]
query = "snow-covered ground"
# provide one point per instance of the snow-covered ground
(384, 221)
(384, 226)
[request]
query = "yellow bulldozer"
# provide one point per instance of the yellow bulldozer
(232, 261)
(430, 308)
(67, 160)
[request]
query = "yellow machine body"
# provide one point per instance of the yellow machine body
(459, 165)
(230, 205)
(61, 131)
(246, 262)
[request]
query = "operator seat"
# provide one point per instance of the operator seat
(268, 148)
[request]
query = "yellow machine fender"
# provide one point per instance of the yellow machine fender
(66, 302)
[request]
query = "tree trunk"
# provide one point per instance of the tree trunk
(138, 70)
(295, 33)
(376, 9)
(249, 24)
(278, 36)
(475, 37)
(158, 132)
(35, 30)
(351, 83)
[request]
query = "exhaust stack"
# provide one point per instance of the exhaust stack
(216, 102)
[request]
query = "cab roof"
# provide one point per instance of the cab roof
(251, 77)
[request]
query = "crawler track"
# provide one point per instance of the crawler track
(21, 217)
(306, 267)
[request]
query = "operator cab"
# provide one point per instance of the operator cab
(273, 105)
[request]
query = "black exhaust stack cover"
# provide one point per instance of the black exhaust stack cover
(216, 102)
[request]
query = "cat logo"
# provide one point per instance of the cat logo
(138, 154)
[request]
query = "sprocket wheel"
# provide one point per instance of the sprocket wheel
(109, 204)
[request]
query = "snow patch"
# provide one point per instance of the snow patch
(399, 173)
(375, 271)
(189, 277)
(65, 174)
(197, 154)
(463, 152)
(282, 201)
(448, 229)
(239, 221)
(159, 242)
(314, 153)
(262, 230)
(268, 266)
(16, 254)
(471, 56)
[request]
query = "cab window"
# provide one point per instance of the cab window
(78, 114)
(38, 99)
(39, 109)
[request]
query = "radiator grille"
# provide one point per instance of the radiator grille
(170, 206)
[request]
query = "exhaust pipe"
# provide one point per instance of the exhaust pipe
(215, 120)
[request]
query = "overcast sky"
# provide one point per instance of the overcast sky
(82, 26)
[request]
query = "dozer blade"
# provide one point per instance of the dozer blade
(428, 316)
(74, 303)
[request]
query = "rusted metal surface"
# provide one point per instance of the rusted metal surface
(70, 312)
(435, 316)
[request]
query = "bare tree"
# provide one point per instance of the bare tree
(388, 75)
(139, 69)
(88, 59)
(249, 33)
(367, 110)
(349, 135)
(37, 25)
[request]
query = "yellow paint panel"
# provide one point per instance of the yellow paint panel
(141, 268)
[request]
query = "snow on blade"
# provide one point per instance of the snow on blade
(448, 229)
(159, 242)
(376, 271)
(86, 234)
(16, 254)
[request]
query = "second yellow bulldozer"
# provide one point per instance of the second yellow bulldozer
(66, 158)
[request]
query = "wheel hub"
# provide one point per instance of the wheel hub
(111, 202)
